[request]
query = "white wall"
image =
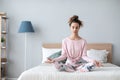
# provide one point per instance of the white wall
(49, 17)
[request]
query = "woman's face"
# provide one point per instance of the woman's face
(74, 27)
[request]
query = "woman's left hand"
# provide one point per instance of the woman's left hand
(97, 63)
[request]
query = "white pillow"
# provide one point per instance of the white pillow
(99, 55)
(46, 52)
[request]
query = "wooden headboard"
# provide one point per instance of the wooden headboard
(98, 46)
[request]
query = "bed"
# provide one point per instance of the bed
(46, 71)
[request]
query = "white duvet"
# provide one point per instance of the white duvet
(48, 72)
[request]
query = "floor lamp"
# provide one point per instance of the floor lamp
(25, 27)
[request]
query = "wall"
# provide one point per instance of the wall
(101, 20)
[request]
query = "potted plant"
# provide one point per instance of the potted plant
(2, 41)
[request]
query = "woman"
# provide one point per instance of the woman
(73, 49)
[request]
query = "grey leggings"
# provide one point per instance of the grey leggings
(69, 68)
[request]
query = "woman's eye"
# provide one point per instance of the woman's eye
(73, 27)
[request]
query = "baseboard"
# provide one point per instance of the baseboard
(11, 78)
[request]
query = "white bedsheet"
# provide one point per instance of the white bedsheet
(48, 72)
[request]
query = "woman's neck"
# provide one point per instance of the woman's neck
(75, 37)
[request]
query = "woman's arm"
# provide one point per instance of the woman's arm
(63, 54)
(85, 57)
(84, 53)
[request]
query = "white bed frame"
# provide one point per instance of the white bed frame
(48, 72)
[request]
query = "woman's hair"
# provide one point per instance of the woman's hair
(75, 19)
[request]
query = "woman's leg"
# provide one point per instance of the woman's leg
(63, 67)
(86, 67)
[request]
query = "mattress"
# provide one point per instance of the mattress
(48, 72)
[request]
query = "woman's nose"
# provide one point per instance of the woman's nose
(75, 29)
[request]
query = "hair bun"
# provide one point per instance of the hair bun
(73, 18)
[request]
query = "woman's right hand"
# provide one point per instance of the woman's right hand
(49, 61)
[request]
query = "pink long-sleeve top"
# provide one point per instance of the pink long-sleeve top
(73, 50)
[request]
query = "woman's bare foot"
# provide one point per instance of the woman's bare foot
(84, 70)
